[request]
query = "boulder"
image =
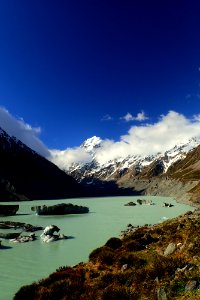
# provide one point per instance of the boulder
(161, 294)
(170, 249)
(190, 286)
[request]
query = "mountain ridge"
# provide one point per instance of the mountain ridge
(25, 175)
(154, 174)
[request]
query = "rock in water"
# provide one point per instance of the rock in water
(49, 230)
(49, 236)
(145, 201)
(131, 203)
(8, 210)
(60, 209)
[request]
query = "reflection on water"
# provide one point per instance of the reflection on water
(28, 262)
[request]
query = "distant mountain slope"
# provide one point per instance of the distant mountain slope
(26, 175)
(172, 173)
(188, 170)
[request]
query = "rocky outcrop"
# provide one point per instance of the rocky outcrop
(19, 225)
(8, 210)
(9, 235)
(24, 238)
(60, 209)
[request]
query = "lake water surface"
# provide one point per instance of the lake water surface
(27, 262)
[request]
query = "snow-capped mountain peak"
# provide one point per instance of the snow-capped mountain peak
(91, 144)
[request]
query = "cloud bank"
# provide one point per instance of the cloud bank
(65, 158)
(22, 131)
(140, 117)
(171, 129)
(143, 139)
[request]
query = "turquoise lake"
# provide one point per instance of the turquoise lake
(24, 263)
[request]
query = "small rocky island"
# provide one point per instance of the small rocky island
(60, 209)
(145, 201)
(140, 202)
(8, 210)
(131, 203)
(168, 204)
(19, 225)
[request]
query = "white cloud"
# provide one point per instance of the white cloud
(170, 130)
(64, 159)
(22, 131)
(140, 117)
(107, 118)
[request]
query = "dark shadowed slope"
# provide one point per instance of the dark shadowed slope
(26, 175)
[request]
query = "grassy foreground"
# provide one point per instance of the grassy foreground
(150, 262)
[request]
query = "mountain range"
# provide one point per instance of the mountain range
(175, 172)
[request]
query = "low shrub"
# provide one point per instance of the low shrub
(28, 291)
(178, 288)
(114, 291)
(134, 246)
(114, 243)
(132, 260)
(103, 255)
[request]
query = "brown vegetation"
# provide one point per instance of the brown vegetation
(133, 267)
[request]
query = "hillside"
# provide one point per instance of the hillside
(25, 175)
(151, 262)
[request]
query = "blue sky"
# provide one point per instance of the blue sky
(65, 65)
